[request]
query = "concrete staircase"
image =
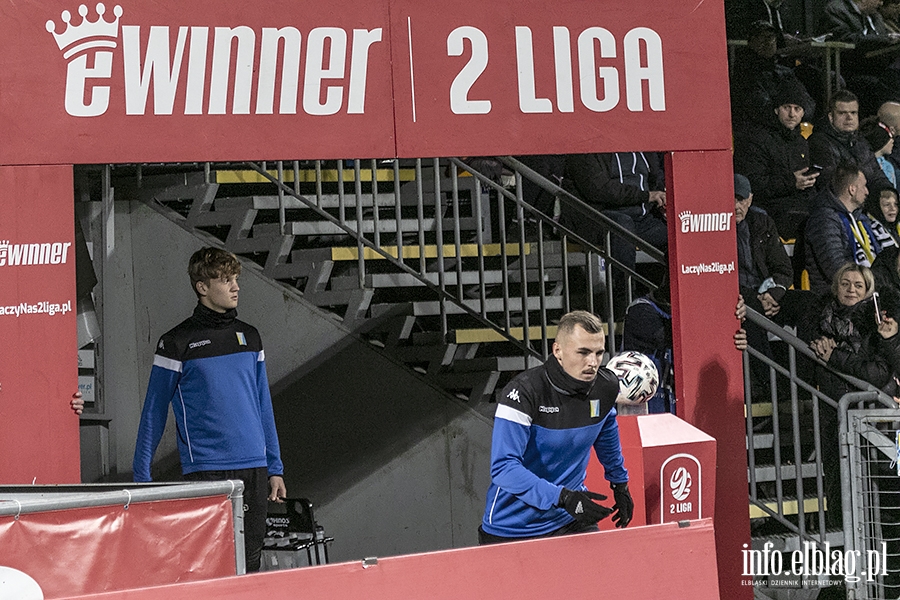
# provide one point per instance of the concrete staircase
(449, 273)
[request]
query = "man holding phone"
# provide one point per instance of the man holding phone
(775, 158)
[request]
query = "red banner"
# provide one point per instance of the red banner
(708, 371)
(535, 77)
(218, 81)
(189, 81)
(681, 564)
(91, 550)
(38, 356)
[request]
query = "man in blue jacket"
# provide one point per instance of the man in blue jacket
(838, 231)
(212, 369)
(547, 421)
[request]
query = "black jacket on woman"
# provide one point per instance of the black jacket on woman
(861, 351)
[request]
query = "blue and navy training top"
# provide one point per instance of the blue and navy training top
(545, 425)
(211, 368)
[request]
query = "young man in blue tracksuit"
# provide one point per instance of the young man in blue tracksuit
(212, 369)
(547, 421)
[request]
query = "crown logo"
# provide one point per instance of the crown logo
(684, 216)
(92, 32)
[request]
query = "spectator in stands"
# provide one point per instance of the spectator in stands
(883, 209)
(837, 139)
(881, 141)
(764, 277)
(890, 14)
(764, 268)
(740, 15)
(838, 231)
(889, 114)
(775, 158)
(756, 77)
(855, 21)
(886, 270)
(648, 329)
(851, 341)
(627, 187)
(858, 22)
(549, 166)
(548, 420)
(212, 368)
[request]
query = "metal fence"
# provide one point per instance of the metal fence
(872, 518)
(806, 457)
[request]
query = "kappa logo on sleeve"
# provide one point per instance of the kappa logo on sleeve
(514, 395)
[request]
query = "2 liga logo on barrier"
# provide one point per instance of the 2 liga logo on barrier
(681, 495)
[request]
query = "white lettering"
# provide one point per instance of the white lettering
(77, 75)
(528, 100)
(359, 69)
(157, 67)
(317, 70)
(221, 69)
(463, 82)
(290, 70)
(636, 73)
(33, 254)
(196, 80)
(589, 73)
(702, 222)
(702, 268)
(562, 56)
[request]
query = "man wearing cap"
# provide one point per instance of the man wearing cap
(764, 272)
(756, 76)
(839, 231)
(775, 159)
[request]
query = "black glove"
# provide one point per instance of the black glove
(581, 506)
(624, 505)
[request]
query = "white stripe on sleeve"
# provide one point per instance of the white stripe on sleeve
(510, 414)
(166, 363)
(262, 356)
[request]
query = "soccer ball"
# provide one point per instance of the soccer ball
(638, 377)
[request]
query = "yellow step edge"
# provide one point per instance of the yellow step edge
(789, 507)
(309, 175)
(478, 336)
(759, 410)
(486, 336)
(465, 250)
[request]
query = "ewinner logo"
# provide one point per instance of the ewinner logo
(51, 253)
(190, 69)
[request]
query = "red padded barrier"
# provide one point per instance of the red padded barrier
(659, 561)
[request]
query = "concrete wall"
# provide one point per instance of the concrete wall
(391, 464)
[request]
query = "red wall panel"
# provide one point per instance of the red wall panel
(38, 356)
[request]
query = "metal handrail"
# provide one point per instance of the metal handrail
(865, 391)
(800, 346)
(398, 262)
(582, 206)
(522, 208)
